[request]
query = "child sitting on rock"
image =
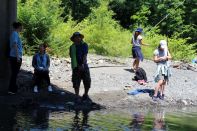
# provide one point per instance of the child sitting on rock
(41, 63)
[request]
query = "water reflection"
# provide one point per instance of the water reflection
(28, 120)
(7, 121)
(137, 121)
(78, 123)
(43, 119)
(159, 121)
(157, 118)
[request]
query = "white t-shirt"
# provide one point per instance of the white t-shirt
(137, 42)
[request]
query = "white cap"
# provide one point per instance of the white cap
(163, 44)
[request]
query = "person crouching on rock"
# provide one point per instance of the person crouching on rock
(80, 70)
(161, 57)
(41, 63)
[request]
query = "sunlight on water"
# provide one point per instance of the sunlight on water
(103, 120)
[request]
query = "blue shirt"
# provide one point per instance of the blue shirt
(41, 61)
(15, 39)
(81, 50)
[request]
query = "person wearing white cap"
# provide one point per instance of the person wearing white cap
(161, 57)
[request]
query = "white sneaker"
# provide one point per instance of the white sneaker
(50, 88)
(35, 89)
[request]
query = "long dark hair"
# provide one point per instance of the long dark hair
(159, 46)
(136, 35)
(16, 25)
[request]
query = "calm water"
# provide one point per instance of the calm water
(103, 120)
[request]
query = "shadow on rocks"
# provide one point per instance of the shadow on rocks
(58, 99)
(130, 70)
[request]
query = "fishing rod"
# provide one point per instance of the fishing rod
(166, 16)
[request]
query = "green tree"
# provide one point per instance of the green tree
(39, 17)
(60, 37)
(104, 34)
(43, 21)
(190, 21)
(172, 11)
(124, 9)
(141, 16)
(79, 9)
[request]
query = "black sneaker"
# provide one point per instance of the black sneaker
(11, 93)
(77, 100)
(161, 97)
(86, 98)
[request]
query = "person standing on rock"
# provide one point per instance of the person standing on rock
(41, 63)
(136, 42)
(80, 70)
(161, 57)
(15, 56)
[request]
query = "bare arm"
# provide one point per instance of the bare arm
(156, 59)
(142, 43)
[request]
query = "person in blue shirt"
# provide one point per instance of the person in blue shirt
(15, 56)
(80, 70)
(41, 63)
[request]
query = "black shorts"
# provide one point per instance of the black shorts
(78, 75)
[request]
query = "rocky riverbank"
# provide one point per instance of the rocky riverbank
(111, 81)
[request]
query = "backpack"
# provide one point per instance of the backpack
(140, 74)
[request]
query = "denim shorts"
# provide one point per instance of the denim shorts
(137, 53)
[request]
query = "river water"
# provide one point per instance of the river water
(43, 119)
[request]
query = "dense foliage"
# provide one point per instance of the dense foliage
(109, 24)
(178, 14)
(79, 9)
(39, 18)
